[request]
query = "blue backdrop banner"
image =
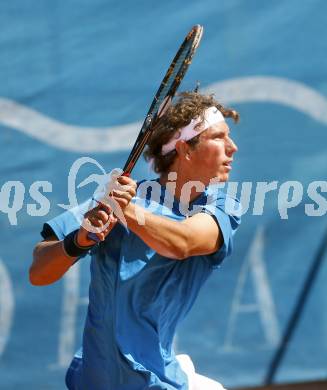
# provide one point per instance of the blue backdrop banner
(76, 79)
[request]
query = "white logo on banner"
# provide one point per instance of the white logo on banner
(71, 301)
(91, 139)
(6, 306)
(264, 305)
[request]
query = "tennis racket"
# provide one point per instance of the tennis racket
(163, 97)
(165, 93)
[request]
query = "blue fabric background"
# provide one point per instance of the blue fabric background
(97, 65)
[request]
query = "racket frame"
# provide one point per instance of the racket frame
(194, 36)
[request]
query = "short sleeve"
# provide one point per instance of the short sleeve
(47, 231)
(221, 209)
(67, 222)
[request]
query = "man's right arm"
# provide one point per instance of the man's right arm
(50, 259)
(50, 262)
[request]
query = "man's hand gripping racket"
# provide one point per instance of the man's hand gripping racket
(160, 103)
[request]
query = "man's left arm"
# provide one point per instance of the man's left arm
(197, 235)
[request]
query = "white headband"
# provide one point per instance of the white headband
(211, 116)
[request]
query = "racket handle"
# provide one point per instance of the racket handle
(93, 237)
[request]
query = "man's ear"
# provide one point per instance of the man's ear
(183, 149)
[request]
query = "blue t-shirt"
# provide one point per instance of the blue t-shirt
(137, 297)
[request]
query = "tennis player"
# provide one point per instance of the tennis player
(147, 273)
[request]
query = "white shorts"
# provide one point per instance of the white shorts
(195, 380)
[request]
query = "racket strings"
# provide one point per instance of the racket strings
(167, 89)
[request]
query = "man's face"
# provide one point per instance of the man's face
(213, 155)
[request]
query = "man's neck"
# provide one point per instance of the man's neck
(182, 186)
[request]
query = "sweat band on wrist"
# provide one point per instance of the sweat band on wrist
(71, 247)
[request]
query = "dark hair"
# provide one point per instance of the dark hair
(188, 106)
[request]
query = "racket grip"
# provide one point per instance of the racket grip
(93, 237)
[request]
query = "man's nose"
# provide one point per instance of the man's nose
(232, 147)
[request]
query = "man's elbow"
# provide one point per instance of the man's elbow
(35, 278)
(32, 272)
(38, 279)
(181, 251)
